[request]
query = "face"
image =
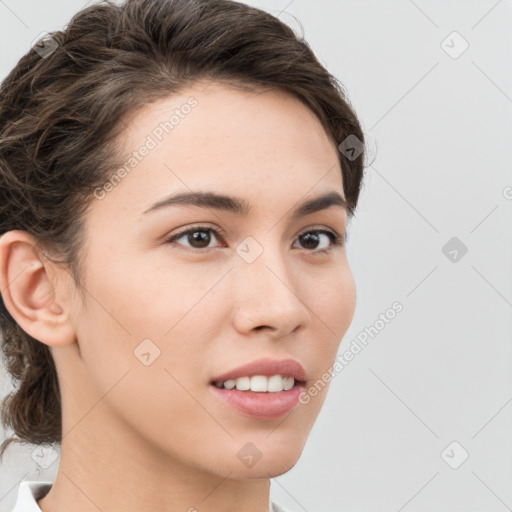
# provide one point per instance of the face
(180, 295)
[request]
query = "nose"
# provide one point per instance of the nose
(266, 295)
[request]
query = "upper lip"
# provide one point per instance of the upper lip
(267, 367)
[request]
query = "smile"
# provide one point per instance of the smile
(258, 383)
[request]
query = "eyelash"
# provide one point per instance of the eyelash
(336, 240)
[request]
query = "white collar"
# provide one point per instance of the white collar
(28, 494)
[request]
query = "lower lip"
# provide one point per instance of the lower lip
(260, 405)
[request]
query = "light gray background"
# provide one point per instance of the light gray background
(439, 134)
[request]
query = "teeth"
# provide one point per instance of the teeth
(230, 384)
(259, 383)
(275, 383)
(243, 383)
(288, 383)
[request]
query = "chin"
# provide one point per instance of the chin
(263, 470)
(263, 460)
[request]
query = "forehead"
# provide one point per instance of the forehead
(221, 119)
(252, 144)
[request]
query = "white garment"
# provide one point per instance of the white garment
(28, 494)
(31, 491)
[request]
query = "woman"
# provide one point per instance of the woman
(176, 179)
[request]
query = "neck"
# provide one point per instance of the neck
(111, 473)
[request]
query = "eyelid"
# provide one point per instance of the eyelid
(317, 228)
(322, 228)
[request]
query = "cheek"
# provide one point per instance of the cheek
(332, 299)
(142, 343)
(155, 313)
(332, 303)
(147, 301)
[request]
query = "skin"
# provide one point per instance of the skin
(154, 438)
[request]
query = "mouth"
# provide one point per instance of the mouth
(265, 389)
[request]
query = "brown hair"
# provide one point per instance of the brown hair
(60, 115)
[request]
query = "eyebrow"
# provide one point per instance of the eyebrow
(240, 206)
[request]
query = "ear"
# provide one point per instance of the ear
(28, 285)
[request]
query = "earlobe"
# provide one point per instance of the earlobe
(28, 288)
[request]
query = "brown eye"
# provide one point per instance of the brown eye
(197, 238)
(315, 242)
